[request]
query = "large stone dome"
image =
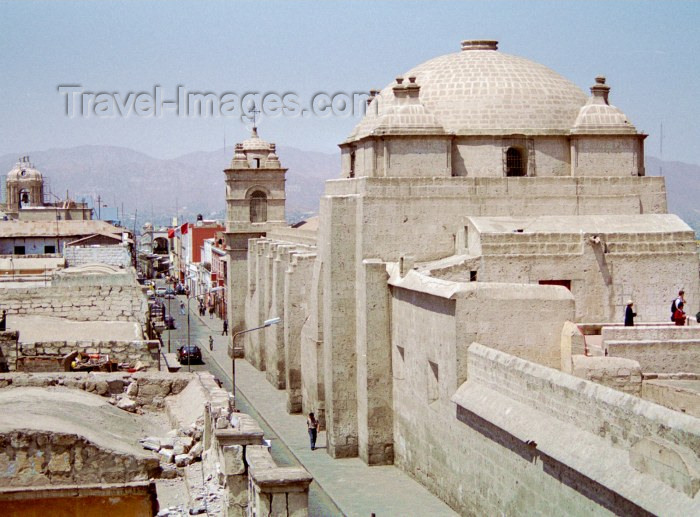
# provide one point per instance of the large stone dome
(482, 91)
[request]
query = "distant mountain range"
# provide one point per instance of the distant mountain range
(194, 183)
(160, 188)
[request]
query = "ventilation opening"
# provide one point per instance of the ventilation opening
(472, 276)
(433, 378)
(563, 283)
(515, 162)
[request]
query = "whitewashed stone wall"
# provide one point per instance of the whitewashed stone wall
(112, 255)
(657, 349)
(509, 445)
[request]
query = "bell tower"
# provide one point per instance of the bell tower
(255, 202)
(25, 187)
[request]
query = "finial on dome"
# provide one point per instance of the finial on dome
(372, 95)
(479, 44)
(600, 90)
(239, 159)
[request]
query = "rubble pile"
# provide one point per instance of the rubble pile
(178, 448)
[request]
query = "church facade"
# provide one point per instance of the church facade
(491, 222)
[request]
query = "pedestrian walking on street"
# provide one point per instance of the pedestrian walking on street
(211, 312)
(182, 307)
(312, 425)
(225, 331)
(211, 343)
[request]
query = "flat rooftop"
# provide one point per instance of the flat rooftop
(639, 223)
(36, 329)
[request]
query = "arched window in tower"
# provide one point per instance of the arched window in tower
(258, 207)
(352, 164)
(516, 164)
(23, 199)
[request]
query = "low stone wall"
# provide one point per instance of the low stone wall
(658, 349)
(614, 372)
(149, 388)
(634, 450)
(253, 484)
(664, 332)
(678, 392)
(70, 460)
(273, 490)
(82, 303)
(48, 356)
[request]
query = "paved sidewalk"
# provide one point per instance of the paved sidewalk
(357, 489)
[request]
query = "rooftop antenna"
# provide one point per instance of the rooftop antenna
(661, 149)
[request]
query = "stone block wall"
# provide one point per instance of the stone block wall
(149, 390)
(121, 351)
(66, 459)
(112, 255)
(527, 439)
(273, 490)
(602, 278)
(312, 372)
(658, 349)
(254, 484)
(82, 303)
(620, 374)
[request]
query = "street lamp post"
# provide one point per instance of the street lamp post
(266, 323)
(170, 315)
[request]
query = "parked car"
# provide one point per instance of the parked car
(189, 354)
(160, 291)
(169, 322)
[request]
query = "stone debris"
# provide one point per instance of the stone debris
(151, 443)
(168, 471)
(178, 448)
(167, 455)
(132, 390)
(182, 460)
(127, 405)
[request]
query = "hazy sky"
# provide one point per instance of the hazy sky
(647, 50)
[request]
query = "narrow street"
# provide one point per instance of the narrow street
(200, 328)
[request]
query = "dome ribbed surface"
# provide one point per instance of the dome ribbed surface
(487, 92)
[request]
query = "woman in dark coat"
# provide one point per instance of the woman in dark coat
(629, 314)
